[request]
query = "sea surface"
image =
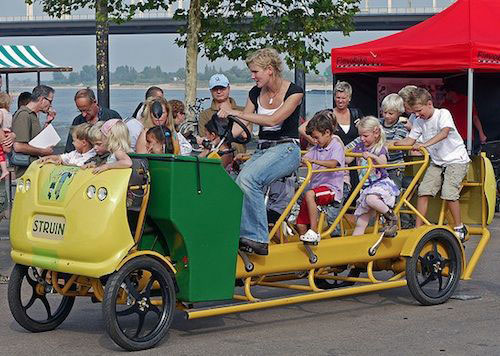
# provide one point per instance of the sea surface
(125, 100)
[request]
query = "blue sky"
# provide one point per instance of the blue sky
(150, 50)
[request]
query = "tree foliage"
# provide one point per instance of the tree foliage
(296, 28)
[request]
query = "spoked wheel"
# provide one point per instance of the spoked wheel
(138, 305)
(32, 301)
(331, 284)
(434, 270)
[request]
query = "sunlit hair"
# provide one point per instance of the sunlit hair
(95, 133)
(406, 92)
(147, 115)
(343, 87)
(372, 124)
(177, 107)
(321, 121)
(5, 101)
(266, 57)
(393, 102)
(86, 93)
(419, 96)
(81, 131)
(118, 138)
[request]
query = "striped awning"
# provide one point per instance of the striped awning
(24, 59)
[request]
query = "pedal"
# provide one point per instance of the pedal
(312, 256)
(246, 260)
(373, 250)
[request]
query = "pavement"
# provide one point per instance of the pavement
(380, 323)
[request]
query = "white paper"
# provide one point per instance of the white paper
(46, 138)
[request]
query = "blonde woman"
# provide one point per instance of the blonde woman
(273, 104)
(379, 192)
(165, 121)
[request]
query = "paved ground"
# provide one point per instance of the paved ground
(389, 322)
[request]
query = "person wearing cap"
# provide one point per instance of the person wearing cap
(220, 90)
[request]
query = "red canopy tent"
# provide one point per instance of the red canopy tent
(463, 37)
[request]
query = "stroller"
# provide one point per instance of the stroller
(492, 150)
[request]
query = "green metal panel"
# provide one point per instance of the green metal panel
(197, 208)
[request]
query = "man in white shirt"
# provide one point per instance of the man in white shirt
(449, 158)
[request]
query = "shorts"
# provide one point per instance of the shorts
(324, 196)
(450, 186)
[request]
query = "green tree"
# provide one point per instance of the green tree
(58, 77)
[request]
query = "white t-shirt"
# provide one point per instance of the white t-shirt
(135, 128)
(75, 158)
(448, 151)
(184, 144)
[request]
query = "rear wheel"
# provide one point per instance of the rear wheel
(138, 305)
(32, 301)
(434, 270)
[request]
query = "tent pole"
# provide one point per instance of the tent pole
(470, 92)
(38, 78)
(7, 83)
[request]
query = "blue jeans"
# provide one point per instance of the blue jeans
(262, 169)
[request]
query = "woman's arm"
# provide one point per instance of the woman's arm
(140, 145)
(288, 107)
(122, 161)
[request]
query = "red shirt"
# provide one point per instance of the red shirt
(458, 111)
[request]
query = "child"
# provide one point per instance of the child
(6, 123)
(324, 188)
(111, 139)
(179, 116)
(156, 142)
(215, 128)
(394, 129)
(379, 192)
(449, 158)
(83, 149)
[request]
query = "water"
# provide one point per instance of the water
(125, 100)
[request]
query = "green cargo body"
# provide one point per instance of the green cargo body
(197, 208)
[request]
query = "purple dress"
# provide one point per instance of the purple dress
(378, 183)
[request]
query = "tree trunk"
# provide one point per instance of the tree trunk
(194, 25)
(102, 52)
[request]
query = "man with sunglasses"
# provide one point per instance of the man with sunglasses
(26, 124)
(90, 112)
(220, 90)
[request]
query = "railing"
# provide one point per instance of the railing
(168, 14)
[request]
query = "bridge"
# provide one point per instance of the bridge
(369, 18)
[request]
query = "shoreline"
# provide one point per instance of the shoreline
(171, 87)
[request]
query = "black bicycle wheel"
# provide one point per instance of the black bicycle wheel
(33, 307)
(138, 305)
(434, 270)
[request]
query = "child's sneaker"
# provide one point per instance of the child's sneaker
(461, 232)
(310, 236)
(391, 222)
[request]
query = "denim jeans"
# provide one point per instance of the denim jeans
(262, 169)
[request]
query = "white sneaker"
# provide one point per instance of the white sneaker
(310, 236)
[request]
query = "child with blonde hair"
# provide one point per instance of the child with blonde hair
(379, 192)
(83, 149)
(5, 123)
(111, 141)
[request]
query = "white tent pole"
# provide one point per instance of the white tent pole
(470, 91)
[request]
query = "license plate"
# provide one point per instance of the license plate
(48, 227)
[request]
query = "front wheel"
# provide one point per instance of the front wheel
(32, 301)
(138, 305)
(434, 270)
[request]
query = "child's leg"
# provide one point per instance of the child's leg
(312, 209)
(361, 223)
(302, 221)
(422, 204)
(454, 206)
(454, 174)
(5, 171)
(376, 203)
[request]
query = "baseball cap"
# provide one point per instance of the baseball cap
(218, 80)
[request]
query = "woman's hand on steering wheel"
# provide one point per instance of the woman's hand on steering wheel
(240, 139)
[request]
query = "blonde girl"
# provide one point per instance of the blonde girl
(165, 121)
(110, 138)
(379, 192)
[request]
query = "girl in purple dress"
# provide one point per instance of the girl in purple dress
(379, 192)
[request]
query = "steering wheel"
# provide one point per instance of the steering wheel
(229, 131)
